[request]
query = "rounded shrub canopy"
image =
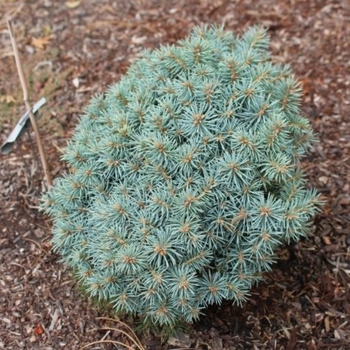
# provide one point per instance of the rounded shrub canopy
(184, 178)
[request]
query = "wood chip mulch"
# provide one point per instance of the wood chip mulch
(72, 50)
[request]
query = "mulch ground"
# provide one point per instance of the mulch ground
(72, 50)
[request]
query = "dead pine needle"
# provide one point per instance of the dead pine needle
(134, 336)
(130, 334)
(115, 342)
(134, 340)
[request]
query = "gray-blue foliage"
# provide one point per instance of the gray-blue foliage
(185, 178)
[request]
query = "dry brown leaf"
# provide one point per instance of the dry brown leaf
(73, 4)
(38, 329)
(326, 240)
(40, 42)
(7, 99)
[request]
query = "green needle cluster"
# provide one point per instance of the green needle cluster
(185, 178)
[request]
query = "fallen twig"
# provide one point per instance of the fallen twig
(28, 106)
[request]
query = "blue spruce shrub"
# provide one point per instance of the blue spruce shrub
(184, 178)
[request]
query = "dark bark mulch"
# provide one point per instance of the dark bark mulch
(72, 50)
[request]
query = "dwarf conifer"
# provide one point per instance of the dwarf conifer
(185, 178)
